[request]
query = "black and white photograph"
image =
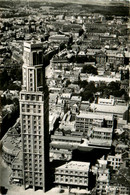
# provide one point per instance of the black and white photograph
(64, 97)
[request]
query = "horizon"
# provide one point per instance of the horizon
(73, 1)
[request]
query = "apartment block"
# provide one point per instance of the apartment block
(74, 174)
(115, 161)
(86, 120)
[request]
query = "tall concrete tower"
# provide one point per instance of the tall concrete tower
(0, 117)
(34, 118)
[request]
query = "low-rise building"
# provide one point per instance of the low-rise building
(103, 178)
(60, 154)
(104, 101)
(101, 133)
(115, 161)
(100, 57)
(98, 79)
(59, 38)
(74, 174)
(115, 189)
(65, 139)
(86, 120)
(10, 147)
(119, 111)
(16, 176)
(100, 137)
(121, 148)
(84, 106)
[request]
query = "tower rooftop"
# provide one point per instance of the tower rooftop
(33, 44)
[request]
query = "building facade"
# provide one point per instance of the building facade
(16, 176)
(34, 118)
(103, 178)
(115, 161)
(0, 114)
(86, 120)
(74, 174)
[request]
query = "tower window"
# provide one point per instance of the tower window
(34, 58)
(40, 58)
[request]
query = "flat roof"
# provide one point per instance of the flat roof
(76, 98)
(11, 144)
(103, 178)
(115, 109)
(100, 142)
(103, 162)
(76, 165)
(66, 95)
(105, 100)
(66, 137)
(33, 44)
(102, 78)
(115, 156)
(94, 115)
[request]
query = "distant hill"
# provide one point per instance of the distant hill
(106, 7)
(101, 2)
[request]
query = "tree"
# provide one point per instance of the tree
(68, 83)
(88, 93)
(114, 86)
(89, 69)
(101, 87)
(83, 84)
(4, 80)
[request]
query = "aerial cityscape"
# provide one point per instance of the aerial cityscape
(64, 97)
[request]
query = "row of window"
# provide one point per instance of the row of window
(114, 159)
(19, 174)
(101, 137)
(66, 140)
(28, 130)
(103, 133)
(27, 118)
(31, 97)
(37, 139)
(73, 172)
(71, 180)
(33, 110)
(29, 165)
(84, 119)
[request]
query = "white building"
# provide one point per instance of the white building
(104, 101)
(74, 174)
(115, 161)
(86, 120)
(119, 111)
(103, 178)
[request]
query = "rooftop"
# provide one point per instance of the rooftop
(114, 109)
(33, 44)
(94, 115)
(102, 78)
(76, 165)
(76, 98)
(100, 142)
(11, 144)
(66, 95)
(103, 162)
(116, 156)
(103, 178)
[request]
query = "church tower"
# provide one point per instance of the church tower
(34, 116)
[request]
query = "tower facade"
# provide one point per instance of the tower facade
(34, 118)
